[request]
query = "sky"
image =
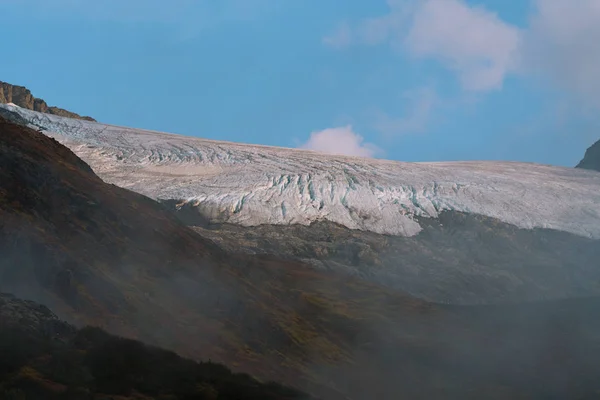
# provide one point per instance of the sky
(408, 80)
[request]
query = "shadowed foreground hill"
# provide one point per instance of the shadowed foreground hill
(45, 358)
(100, 255)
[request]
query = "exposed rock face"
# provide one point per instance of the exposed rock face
(591, 160)
(31, 317)
(22, 97)
(458, 258)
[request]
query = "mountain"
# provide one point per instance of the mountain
(101, 255)
(104, 256)
(45, 358)
(460, 233)
(591, 160)
(22, 97)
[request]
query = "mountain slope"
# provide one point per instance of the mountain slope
(43, 357)
(99, 254)
(102, 255)
(462, 233)
(591, 160)
(22, 97)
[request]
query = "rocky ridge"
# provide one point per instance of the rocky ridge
(22, 97)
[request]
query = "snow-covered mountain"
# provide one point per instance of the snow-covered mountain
(455, 232)
(253, 185)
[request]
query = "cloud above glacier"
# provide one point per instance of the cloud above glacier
(561, 47)
(418, 104)
(471, 41)
(341, 141)
(558, 45)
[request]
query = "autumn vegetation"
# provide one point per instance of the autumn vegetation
(91, 364)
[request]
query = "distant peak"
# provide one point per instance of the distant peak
(591, 159)
(20, 96)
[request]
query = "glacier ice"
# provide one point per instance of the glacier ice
(252, 185)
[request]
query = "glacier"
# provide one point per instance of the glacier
(253, 185)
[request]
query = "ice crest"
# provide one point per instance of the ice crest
(253, 185)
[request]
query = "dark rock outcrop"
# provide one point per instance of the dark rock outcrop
(22, 97)
(591, 160)
(457, 258)
(31, 317)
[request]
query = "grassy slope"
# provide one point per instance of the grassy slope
(43, 357)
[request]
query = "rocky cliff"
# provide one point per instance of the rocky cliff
(591, 160)
(22, 97)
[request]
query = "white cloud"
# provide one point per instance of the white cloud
(472, 41)
(341, 37)
(341, 140)
(417, 115)
(392, 26)
(560, 43)
(561, 46)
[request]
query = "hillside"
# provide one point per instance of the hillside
(102, 255)
(43, 357)
(591, 159)
(459, 233)
(22, 97)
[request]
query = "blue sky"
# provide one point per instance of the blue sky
(411, 80)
